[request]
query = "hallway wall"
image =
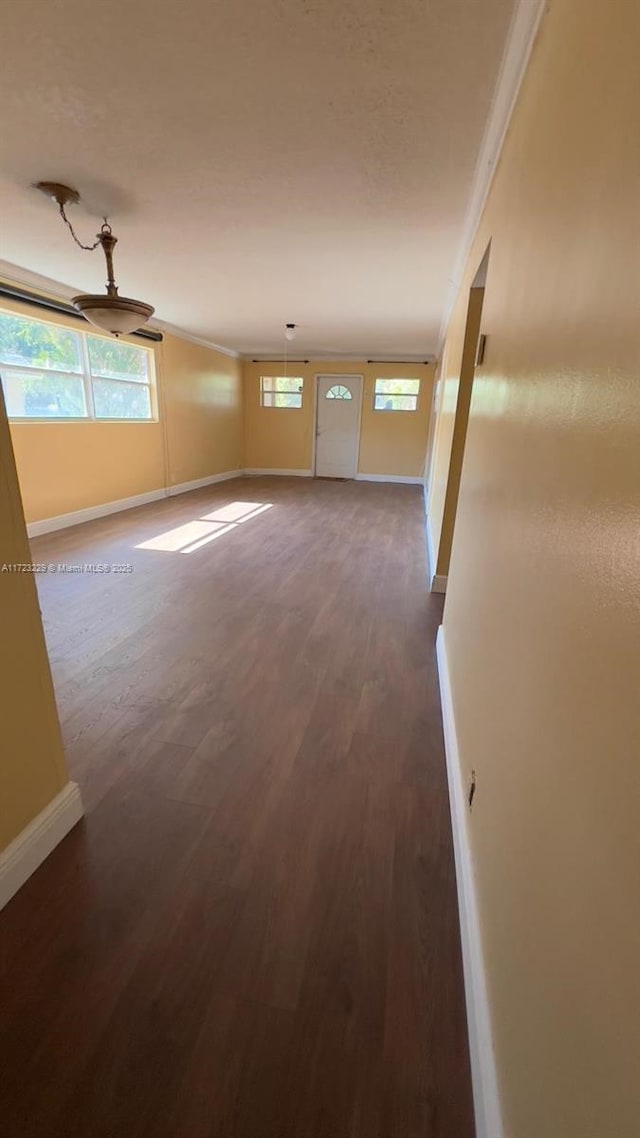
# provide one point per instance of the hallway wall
(542, 617)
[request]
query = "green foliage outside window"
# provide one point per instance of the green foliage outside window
(36, 344)
(396, 394)
(116, 360)
(66, 373)
(116, 400)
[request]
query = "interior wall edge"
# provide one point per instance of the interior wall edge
(523, 31)
(20, 859)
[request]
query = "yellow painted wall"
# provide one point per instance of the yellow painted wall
(70, 466)
(542, 617)
(32, 765)
(203, 407)
(277, 438)
(390, 442)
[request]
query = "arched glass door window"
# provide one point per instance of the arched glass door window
(338, 392)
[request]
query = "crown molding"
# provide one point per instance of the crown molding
(55, 289)
(58, 291)
(173, 330)
(343, 357)
(523, 29)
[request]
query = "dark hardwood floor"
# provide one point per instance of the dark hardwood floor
(253, 933)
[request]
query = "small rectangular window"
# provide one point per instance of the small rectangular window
(396, 394)
(53, 372)
(281, 391)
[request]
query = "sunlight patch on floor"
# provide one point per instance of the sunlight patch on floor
(234, 512)
(189, 536)
(205, 540)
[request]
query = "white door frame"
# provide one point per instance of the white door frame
(337, 376)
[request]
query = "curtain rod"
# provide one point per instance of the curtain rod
(416, 363)
(10, 292)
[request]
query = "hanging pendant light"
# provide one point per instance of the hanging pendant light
(109, 312)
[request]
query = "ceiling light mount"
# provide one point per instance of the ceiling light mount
(63, 195)
(110, 312)
(290, 331)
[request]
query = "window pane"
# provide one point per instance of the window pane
(117, 361)
(36, 344)
(281, 399)
(281, 383)
(396, 402)
(288, 383)
(49, 395)
(397, 386)
(114, 399)
(287, 400)
(338, 392)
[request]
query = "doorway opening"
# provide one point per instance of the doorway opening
(451, 437)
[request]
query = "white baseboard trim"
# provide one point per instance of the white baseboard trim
(404, 478)
(486, 1098)
(431, 553)
(77, 517)
(26, 852)
(437, 582)
(259, 471)
(198, 483)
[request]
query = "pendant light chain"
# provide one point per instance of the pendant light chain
(105, 230)
(118, 315)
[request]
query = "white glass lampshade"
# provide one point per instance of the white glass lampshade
(116, 314)
(290, 332)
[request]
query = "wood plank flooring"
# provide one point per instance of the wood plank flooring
(253, 933)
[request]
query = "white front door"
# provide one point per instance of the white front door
(338, 425)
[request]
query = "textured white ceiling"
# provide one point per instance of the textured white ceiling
(262, 162)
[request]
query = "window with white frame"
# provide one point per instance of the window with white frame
(281, 391)
(396, 394)
(50, 371)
